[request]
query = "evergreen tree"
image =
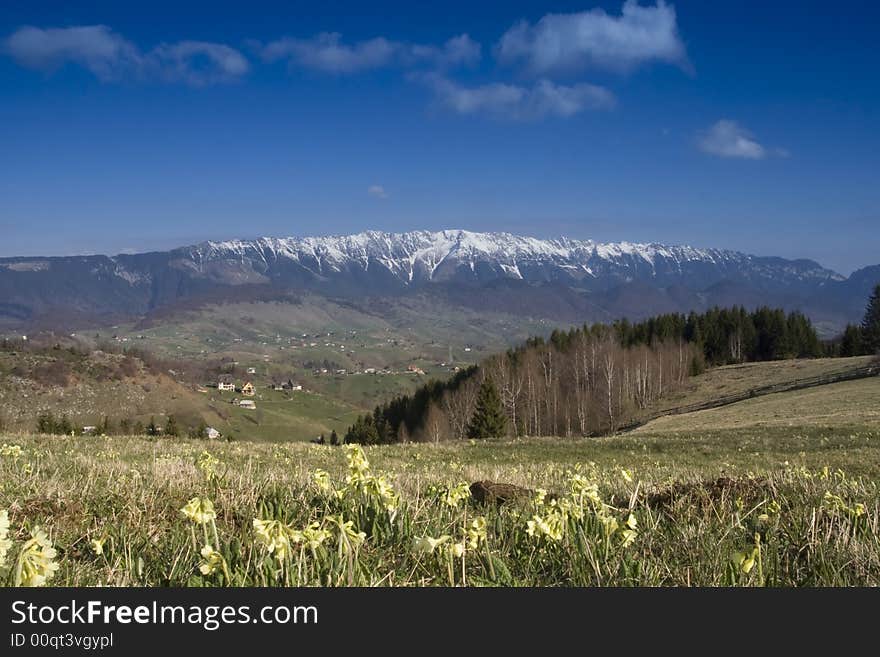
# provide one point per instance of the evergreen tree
(488, 420)
(334, 437)
(851, 342)
(871, 324)
(152, 429)
(362, 432)
(64, 426)
(46, 422)
(171, 426)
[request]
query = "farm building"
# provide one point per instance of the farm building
(247, 404)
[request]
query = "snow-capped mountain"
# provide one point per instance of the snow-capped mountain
(420, 257)
(562, 279)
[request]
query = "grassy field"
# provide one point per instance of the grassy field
(734, 379)
(774, 506)
(845, 404)
(91, 386)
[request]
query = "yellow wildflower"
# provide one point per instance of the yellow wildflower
(357, 460)
(36, 563)
(455, 494)
(5, 541)
(456, 550)
(321, 479)
(208, 463)
(476, 533)
(98, 545)
(427, 545)
(313, 536)
(13, 451)
(745, 562)
(211, 560)
(347, 531)
(275, 537)
(540, 495)
(199, 510)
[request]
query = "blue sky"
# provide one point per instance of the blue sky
(748, 125)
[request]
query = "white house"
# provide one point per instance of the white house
(212, 433)
(225, 384)
(248, 404)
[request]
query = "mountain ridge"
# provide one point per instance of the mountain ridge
(377, 263)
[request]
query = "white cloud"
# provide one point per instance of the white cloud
(328, 53)
(562, 43)
(95, 47)
(543, 99)
(727, 138)
(111, 57)
(198, 62)
(457, 51)
(377, 191)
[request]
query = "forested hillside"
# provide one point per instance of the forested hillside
(588, 380)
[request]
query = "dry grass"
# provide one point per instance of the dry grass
(805, 499)
(734, 379)
(849, 403)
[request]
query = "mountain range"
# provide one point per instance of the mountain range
(563, 280)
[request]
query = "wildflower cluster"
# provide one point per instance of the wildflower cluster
(282, 542)
(207, 464)
(322, 480)
(36, 561)
(553, 519)
(5, 541)
(361, 480)
(11, 451)
(452, 496)
(199, 510)
(837, 504)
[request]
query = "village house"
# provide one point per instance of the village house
(212, 433)
(252, 370)
(248, 389)
(225, 384)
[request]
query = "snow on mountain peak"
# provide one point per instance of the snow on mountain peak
(427, 255)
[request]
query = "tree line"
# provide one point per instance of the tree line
(60, 425)
(579, 384)
(864, 339)
(588, 380)
(730, 335)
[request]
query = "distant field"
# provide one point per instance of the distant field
(848, 403)
(280, 417)
(89, 394)
(732, 379)
(363, 335)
